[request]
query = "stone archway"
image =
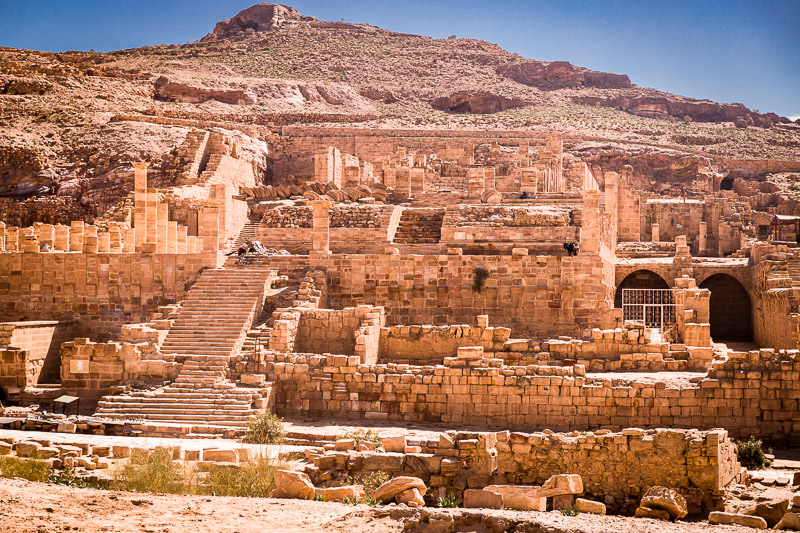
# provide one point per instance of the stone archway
(639, 279)
(726, 184)
(730, 312)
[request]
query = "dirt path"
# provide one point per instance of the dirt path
(27, 507)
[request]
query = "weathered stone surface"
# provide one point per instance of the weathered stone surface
(563, 501)
(5, 448)
(390, 462)
(395, 486)
(481, 498)
(220, 456)
(718, 517)
(394, 444)
(588, 506)
(27, 448)
(520, 497)
(345, 444)
(562, 484)
(290, 484)
(481, 102)
(646, 512)
(260, 17)
(173, 91)
(666, 499)
(771, 505)
(410, 497)
(560, 74)
(333, 494)
(790, 521)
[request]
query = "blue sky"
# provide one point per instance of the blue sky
(727, 51)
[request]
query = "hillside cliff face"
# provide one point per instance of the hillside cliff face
(260, 17)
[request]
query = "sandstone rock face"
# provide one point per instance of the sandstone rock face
(260, 17)
(395, 486)
(164, 89)
(561, 74)
(738, 519)
(476, 102)
(482, 499)
(24, 85)
(665, 499)
(333, 494)
(520, 497)
(290, 484)
(663, 107)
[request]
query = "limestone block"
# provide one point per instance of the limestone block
(5, 448)
(395, 486)
(477, 498)
(66, 427)
(718, 517)
(470, 353)
(666, 499)
(520, 497)
(345, 444)
(334, 494)
(290, 484)
(410, 497)
(563, 501)
(394, 444)
(589, 506)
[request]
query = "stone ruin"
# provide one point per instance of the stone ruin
(422, 277)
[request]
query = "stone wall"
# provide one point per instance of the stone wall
(534, 295)
(32, 352)
(698, 464)
(752, 393)
(89, 369)
(103, 291)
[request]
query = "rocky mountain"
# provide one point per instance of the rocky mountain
(71, 123)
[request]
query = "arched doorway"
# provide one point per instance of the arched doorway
(639, 279)
(726, 184)
(729, 309)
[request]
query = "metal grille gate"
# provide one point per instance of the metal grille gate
(654, 307)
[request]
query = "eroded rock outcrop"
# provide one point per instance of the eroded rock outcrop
(260, 17)
(476, 102)
(664, 107)
(561, 74)
(173, 91)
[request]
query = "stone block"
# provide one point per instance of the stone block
(520, 497)
(718, 517)
(27, 448)
(220, 456)
(395, 486)
(561, 484)
(290, 484)
(665, 499)
(589, 506)
(410, 497)
(394, 444)
(482, 499)
(657, 514)
(334, 494)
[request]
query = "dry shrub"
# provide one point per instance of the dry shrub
(254, 478)
(155, 471)
(30, 469)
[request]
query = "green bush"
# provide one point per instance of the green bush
(265, 428)
(751, 453)
(155, 472)
(370, 481)
(359, 435)
(569, 511)
(254, 478)
(30, 469)
(448, 501)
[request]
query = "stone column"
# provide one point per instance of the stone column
(683, 255)
(104, 242)
(140, 203)
(46, 234)
(129, 240)
(2, 236)
(162, 223)
(180, 246)
(320, 227)
(115, 233)
(416, 178)
(208, 229)
(76, 230)
(27, 240)
(90, 244)
(590, 223)
(172, 237)
(703, 239)
(61, 242)
(612, 201)
(151, 212)
(656, 231)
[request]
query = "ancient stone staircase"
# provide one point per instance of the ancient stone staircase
(201, 396)
(419, 226)
(217, 313)
(209, 330)
(247, 234)
(793, 266)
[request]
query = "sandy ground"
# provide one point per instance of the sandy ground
(38, 507)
